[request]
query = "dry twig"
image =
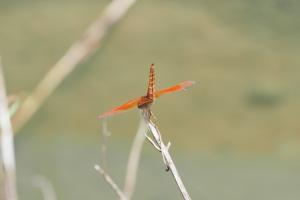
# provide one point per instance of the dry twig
(77, 53)
(101, 170)
(133, 161)
(110, 181)
(165, 153)
(105, 135)
(7, 144)
(132, 164)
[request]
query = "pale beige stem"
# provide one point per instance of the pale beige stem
(105, 134)
(110, 181)
(166, 155)
(134, 159)
(45, 186)
(7, 144)
(79, 51)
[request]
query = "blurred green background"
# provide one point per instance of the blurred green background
(235, 134)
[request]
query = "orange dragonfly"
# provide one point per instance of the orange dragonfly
(145, 102)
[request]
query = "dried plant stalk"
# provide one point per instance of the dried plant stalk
(105, 134)
(165, 153)
(132, 164)
(7, 144)
(79, 51)
(110, 181)
(45, 186)
(134, 159)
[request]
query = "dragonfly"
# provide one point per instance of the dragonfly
(144, 102)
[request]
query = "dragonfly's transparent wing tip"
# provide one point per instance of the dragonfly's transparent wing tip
(187, 84)
(105, 115)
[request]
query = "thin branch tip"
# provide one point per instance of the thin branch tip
(97, 167)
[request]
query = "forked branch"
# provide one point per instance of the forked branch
(132, 163)
(170, 166)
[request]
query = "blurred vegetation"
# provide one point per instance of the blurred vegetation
(243, 55)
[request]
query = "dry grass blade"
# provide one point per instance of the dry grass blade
(45, 186)
(79, 51)
(7, 144)
(134, 159)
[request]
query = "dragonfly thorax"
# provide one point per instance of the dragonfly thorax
(145, 102)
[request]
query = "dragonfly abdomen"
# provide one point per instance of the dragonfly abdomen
(151, 83)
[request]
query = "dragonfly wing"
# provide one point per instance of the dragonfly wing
(130, 104)
(181, 86)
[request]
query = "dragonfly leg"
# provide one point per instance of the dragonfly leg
(153, 116)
